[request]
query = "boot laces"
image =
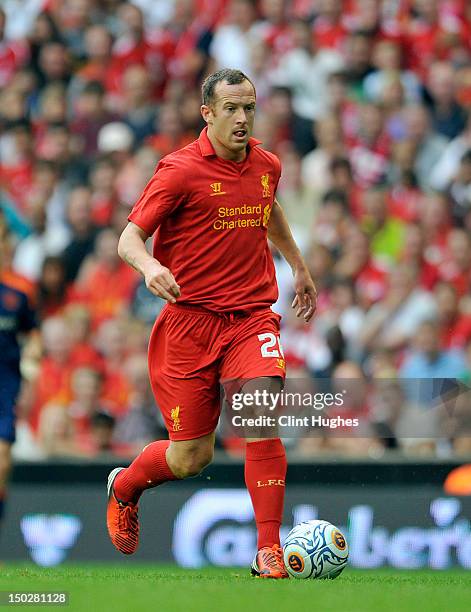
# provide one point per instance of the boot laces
(278, 552)
(274, 557)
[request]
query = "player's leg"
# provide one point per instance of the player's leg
(159, 462)
(255, 362)
(265, 478)
(185, 385)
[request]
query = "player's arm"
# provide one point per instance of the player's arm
(280, 234)
(132, 249)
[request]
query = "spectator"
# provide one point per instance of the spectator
(412, 254)
(299, 201)
(83, 231)
(139, 108)
(393, 321)
(343, 315)
(356, 263)
(51, 287)
(12, 55)
(358, 51)
(460, 192)
(434, 218)
(429, 145)
(448, 164)
(387, 62)
(329, 226)
(275, 30)
(329, 28)
(369, 149)
(431, 34)
(53, 379)
(456, 268)
(56, 435)
(305, 70)
(455, 326)
(54, 64)
(405, 194)
(42, 241)
(111, 342)
(16, 160)
(233, 39)
(102, 180)
(386, 233)
(105, 284)
(279, 110)
(170, 131)
(97, 47)
(427, 362)
(142, 423)
(448, 117)
(90, 116)
(341, 179)
(315, 165)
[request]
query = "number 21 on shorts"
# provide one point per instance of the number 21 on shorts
(271, 345)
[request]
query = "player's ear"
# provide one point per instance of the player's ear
(206, 113)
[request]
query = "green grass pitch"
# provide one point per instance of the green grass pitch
(159, 588)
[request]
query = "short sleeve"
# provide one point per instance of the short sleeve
(160, 198)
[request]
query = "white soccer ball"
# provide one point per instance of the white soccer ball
(315, 549)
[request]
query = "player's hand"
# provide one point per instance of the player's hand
(306, 294)
(161, 282)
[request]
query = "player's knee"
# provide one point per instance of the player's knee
(191, 464)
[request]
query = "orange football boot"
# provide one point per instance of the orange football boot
(121, 519)
(268, 563)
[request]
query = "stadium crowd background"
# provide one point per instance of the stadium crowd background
(367, 104)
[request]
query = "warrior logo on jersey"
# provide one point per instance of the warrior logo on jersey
(217, 189)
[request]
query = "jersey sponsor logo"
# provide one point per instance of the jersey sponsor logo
(217, 189)
(175, 416)
(265, 180)
(237, 217)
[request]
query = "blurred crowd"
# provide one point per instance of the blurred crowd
(367, 104)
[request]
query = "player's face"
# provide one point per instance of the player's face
(230, 119)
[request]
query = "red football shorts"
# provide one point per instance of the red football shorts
(192, 351)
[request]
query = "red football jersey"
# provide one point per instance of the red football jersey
(210, 219)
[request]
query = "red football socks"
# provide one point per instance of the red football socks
(148, 470)
(265, 473)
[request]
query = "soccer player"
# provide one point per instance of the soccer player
(16, 318)
(212, 206)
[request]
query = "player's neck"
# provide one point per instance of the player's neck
(223, 152)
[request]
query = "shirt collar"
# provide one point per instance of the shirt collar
(207, 148)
